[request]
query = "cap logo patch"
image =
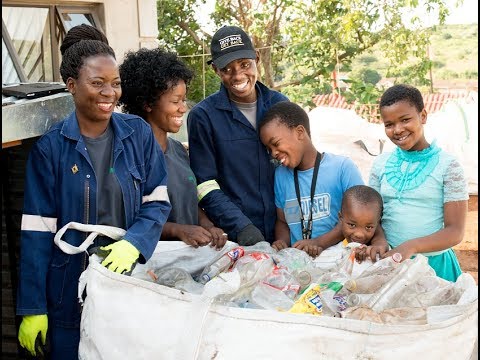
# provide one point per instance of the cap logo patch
(230, 41)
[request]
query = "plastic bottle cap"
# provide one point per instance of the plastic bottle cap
(353, 300)
(304, 277)
(350, 285)
(397, 257)
(206, 277)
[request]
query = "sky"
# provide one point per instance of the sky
(466, 14)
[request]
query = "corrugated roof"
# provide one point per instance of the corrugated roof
(433, 103)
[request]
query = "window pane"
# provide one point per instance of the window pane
(9, 74)
(72, 20)
(28, 28)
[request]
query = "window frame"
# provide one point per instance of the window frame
(57, 28)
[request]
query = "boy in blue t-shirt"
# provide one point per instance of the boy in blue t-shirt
(307, 177)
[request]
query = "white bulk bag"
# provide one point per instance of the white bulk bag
(129, 318)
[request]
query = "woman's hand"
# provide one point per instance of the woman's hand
(219, 237)
(194, 235)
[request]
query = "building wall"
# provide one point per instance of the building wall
(128, 25)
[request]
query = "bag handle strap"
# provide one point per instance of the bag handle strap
(95, 230)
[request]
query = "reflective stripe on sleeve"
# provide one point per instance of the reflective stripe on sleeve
(204, 188)
(158, 194)
(39, 223)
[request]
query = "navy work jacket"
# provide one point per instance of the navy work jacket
(225, 147)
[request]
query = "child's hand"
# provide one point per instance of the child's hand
(376, 252)
(279, 245)
(309, 247)
(360, 253)
(373, 252)
(404, 249)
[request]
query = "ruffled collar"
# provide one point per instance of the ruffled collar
(407, 170)
(421, 155)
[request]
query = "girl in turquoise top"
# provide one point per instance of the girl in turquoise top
(424, 189)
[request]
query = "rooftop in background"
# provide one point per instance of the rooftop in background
(370, 112)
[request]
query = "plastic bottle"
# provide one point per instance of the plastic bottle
(293, 259)
(383, 266)
(253, 267)
(357, 299)
(407, 273)
(332, 302)
(429, 291)
(221, 264)
(375, 276)
(177, 278)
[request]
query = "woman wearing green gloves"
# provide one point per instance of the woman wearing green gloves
(94, 167)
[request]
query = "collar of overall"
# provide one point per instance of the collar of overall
(307, 226)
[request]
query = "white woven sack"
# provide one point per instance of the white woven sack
(128, 318)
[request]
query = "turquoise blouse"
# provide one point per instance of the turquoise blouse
(414, 186)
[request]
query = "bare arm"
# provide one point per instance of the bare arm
(454, 218)
(282, 232)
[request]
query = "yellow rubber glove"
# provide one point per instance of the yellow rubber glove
(29, 328)
(122, 256)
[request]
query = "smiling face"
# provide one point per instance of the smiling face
(239, 78)
(404, 125)
(284, 143)
(359, 221)
(168, 110)
(97, 89)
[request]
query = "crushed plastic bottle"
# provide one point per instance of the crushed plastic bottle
(333, 303)
(277, 290)
(253, 267)
(176, 278)
(408, 272)
(293, 259)
(429, 291)
(225, 262)
(375, 276)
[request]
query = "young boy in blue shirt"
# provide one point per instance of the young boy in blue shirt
(309, 185)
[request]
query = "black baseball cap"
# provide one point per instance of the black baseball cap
(230, 43)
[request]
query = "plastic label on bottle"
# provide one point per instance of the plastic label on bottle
(236, 253)
(309, 302)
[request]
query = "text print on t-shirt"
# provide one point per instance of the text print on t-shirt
(320, 208)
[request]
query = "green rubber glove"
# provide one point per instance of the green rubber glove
(122, 256)
(29, 328)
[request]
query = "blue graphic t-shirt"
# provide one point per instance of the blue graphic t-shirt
(335, 175)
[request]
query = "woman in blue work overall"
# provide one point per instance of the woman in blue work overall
(94, 167)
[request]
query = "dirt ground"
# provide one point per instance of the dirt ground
(467, 250)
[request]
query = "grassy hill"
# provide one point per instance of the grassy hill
(453, 50)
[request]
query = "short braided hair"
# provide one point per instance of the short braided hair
(81, 42)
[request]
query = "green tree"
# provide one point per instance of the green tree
(301, 42)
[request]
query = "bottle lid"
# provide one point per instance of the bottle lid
(353, 300)
(350, 285)
(397, 257)
(304, 277)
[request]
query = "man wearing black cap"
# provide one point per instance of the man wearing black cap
(233, 169)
